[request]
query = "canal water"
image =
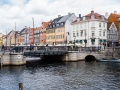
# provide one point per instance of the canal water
(62, 76)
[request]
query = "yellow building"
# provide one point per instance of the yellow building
(1, 39)
(59, 29)
(50, 37)
(59, 34)
(50, 31)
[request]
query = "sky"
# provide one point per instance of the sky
(21, 12)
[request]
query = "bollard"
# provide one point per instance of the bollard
(20, 86)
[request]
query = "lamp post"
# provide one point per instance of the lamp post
(15, 33)
(85, 40)
(26, 34)
(74, 42)
(67, 33)
(33, 30)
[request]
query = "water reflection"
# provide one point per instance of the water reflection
(62, 76)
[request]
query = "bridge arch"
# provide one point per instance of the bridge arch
(90, 58)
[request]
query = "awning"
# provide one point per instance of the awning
(104, 40)
(85, 41)
(73, 42)
(100, 40)
(76, 41)
(80, 41)
(92, 40)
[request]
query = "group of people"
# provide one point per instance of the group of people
(35, 47)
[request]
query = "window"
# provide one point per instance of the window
(85, 33)
(104, 25)
(103, 33)
(92, 17)
(81, 33)
(73, 34)
(93, 24)
(77, 34)
(99, 24)
(118, 19)
(93, 33)
(93, 43)
(99, 33)
(102, 17)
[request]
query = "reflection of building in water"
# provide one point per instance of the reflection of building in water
(13, 69)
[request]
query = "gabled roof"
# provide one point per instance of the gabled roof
(22, 30)
(109, 25)
(54, 22)
(64, 18)
(115, 15)
(88, 17)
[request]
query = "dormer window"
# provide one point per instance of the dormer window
(57, 24)
(92, 17)
(61, 23)
(119, 19)
(102, 17)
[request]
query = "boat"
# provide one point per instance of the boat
(108, 60)
(32, 58)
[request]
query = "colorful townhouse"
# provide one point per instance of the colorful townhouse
(114, 17)
(89, 30)
(43, 33)
(1, 40)
(112, 35)
(50, 31)
(58, 31)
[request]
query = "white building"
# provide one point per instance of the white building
(91, 28)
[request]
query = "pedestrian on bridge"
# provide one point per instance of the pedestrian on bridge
(46, 47)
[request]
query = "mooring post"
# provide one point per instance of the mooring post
(20, 86)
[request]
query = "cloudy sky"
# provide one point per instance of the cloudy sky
(22, 11)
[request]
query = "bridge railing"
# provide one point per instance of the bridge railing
(59, 48)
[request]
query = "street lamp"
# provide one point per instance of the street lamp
(85, 40)
(33, 30)
(67, 33)
(26, 34)
(74, 42)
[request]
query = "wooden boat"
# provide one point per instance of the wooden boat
(106, 60)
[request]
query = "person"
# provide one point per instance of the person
(3, 47)
(30, 47)
(46, 47)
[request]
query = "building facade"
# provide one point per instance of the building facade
(89, 30)
(112, 35)
(114, 17)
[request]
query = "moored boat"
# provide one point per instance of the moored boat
(108, 60)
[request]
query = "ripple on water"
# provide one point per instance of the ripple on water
(62, 76)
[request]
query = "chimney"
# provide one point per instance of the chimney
(92, 12)
(59, 15)
(69, 13)
(115, 12)
(79, 15)
(106, 15)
